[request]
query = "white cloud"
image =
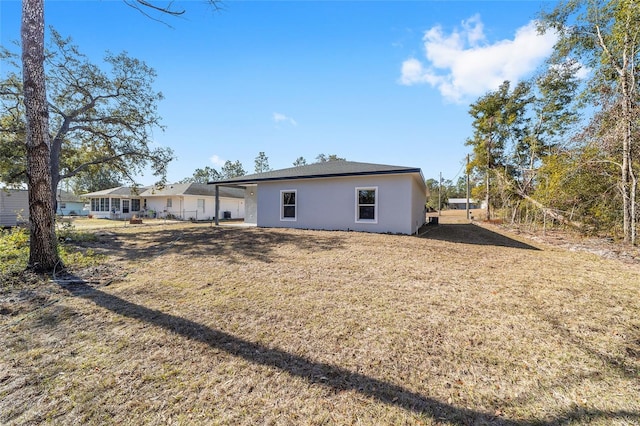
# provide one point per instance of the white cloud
(462, 65)
(279, 118)
(217, 161)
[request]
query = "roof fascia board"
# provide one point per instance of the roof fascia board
(319, 176)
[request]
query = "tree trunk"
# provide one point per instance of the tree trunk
(43, 254)
(487, 198)
(54, 163)
(625, 182)
(634, 213)
(545, 210)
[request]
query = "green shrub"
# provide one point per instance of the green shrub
(14, 252)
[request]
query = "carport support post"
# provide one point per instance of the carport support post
(217, 205)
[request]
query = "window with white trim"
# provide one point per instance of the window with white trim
(169, 203)
(200, 205)
(367, 205)
(100, 204)
(288, 206)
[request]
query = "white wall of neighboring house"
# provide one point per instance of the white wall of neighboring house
(187, 207)
(112, 212)
(193, 210)
(235, 206)
(14, 206)
(159, 206)
(74, 208)
(330, 203)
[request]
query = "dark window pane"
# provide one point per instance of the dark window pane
(288, 198)
(367, 212)
(366, 196)
(289, 211)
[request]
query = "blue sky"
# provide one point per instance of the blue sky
(371, 81)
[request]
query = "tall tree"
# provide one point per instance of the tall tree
(98, 119)
(323, 158)
(498, 120)
(206, 175)
(605, 35)
(94, 179)
(300, 161)
(551, 114)
(514, 130)
(262, 163)
(232, 169)
(43, 253)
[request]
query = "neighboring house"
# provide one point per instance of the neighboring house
(70, 204)
(14, 206)
(461, 203)
(335, 195)
(186, 201)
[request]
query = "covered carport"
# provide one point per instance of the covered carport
(250, 200)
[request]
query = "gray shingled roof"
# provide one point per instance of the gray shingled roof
(120, 190)
(68, 197)
(174, 189)
(322, 170)
(180, 189)
(193, 189)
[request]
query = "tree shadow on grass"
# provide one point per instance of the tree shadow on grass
(231, 243)
(336, 378)
(472, 234)
(625, 365)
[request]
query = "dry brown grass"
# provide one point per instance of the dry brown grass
(261, 326)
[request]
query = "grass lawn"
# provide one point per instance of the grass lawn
(224, 325)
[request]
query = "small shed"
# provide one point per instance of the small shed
(461, 203)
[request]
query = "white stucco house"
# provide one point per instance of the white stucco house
(69, 204)
(335, 195)
(184, 201)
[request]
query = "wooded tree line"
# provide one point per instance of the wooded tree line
(564, 146)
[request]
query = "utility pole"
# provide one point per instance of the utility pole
(468, 187)
(439, 194)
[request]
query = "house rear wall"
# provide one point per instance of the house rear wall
(330, 203)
